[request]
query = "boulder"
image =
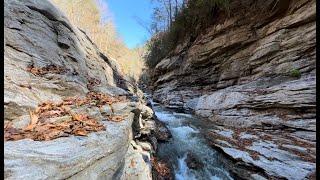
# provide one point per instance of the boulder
(193, 162)
(96, 156)
(161, 132)
(47, 59)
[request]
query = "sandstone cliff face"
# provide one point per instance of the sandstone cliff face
(48, 59)
(253, 75)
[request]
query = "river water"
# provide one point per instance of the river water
(188, 138)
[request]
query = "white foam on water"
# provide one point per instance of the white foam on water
(183, 170)
(221, 172)
(183, 114)
(183, 131)
(153, 103)
(186, 139)
(169, 118)
(165, 117)
(215, 178)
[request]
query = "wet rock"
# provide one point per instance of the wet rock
(153, 141)
(257, 177)
(149, 104)
(161, 170)
(161, 132)
(193, 162)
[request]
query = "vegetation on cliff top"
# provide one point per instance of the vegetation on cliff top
(173, 24)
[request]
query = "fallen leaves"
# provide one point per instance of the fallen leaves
(115, 118)
(40, 71)
(33, 118)
(42, 128)
(93, 82)
(49, 110)
(254, 155)
(102, 99)
(11, 133)
(95, 99)
(80, 132)
(79, 125)
(161, 168)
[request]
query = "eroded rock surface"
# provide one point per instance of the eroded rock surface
(47, 59)
(253, 75)
(193, 161)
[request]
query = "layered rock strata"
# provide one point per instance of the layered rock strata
(252, 74)
(47, 59)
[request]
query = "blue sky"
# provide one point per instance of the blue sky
(124, 12)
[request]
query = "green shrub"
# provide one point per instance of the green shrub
(295, 73)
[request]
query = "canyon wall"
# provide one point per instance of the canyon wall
(253, 74)
(47, 63)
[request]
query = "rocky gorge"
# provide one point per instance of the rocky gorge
(253, 76)
(239, 99)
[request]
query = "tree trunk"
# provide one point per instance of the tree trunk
(170, 12)
(176, 9)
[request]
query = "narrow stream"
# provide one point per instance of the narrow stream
(188, 138)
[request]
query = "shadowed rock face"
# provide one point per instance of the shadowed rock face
(193, 162)
(48, 59)
(240, 75)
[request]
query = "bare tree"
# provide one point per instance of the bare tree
(165, 12)
(143, 24)
(184, 3)
(176, 9)
(167, 6)
(170, 12)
